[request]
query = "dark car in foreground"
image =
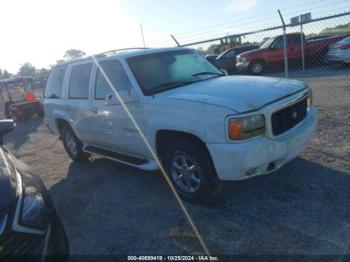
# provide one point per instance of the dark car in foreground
(227, 59)
(29, 224)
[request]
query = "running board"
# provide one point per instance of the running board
(122, 158)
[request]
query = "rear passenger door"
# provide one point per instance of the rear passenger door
(78, 99)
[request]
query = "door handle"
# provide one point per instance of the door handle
(94, 110)
(68, 108)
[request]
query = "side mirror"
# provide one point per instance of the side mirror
(224, 71)
(6, 126)
(125, 96)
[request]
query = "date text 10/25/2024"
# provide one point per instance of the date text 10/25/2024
(173, 258)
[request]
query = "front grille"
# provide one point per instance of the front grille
(19, 244)
(288, 117)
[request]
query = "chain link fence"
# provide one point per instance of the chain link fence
(304, 48)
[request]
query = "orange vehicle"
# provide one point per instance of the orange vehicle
(19, 100)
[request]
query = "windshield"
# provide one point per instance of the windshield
(267, 43)
(166, 70)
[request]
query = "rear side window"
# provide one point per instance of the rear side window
(79, 82)
(54, 83)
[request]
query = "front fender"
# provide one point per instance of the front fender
(209, 130)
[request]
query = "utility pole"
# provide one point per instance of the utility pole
(143, 37)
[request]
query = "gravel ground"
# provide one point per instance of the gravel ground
(109, 208)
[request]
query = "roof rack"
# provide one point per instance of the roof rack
(115, 51)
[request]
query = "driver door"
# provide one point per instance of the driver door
(111, 125)
(275, 55)
(227, 61)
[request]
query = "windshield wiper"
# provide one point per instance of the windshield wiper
(170, 85)
(207, 73)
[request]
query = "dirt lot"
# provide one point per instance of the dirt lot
(113, 209)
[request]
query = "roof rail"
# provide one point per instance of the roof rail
(100, 55)
(118, 50)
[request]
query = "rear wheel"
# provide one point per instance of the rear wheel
(257, 67)
(191, 171)
(73, 145)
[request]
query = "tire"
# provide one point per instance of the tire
(15, 117)
(73, 145)
(41, 113)
(189, 167)
(257, 67)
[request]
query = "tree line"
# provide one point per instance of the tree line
(40, 75)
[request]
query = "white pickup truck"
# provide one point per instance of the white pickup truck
(138, 106)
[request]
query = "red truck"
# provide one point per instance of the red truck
(271, 53)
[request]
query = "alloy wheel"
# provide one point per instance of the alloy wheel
(186, 172)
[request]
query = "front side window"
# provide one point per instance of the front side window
(115, 73)
(267, 43)
(163, 71)
(79, 82)
(54, 83)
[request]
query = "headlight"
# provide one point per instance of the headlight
(34, 212)
(247, 127)
(31, 215)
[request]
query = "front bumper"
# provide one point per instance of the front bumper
(239, 161)
(242, 67)
(339, 56)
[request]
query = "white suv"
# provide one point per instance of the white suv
(205, 127)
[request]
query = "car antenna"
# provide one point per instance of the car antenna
(173, 37)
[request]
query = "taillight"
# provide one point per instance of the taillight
(345, 47)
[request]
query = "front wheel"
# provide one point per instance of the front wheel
(257, 67)
(189, 166)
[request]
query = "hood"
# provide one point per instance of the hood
(7, 182)
(238, 93)
(255, 51)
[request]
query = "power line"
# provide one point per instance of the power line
(244, 19)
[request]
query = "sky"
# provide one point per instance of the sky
(40, 31)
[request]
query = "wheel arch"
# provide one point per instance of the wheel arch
(257, 60)
(165, 136)
(60, 124)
